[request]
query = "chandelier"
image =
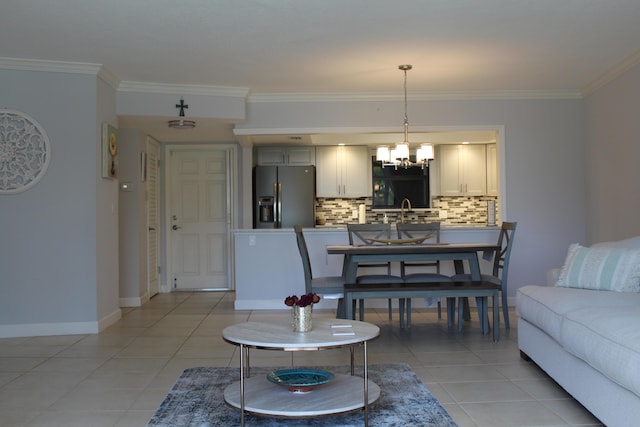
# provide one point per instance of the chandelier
(399, 156)
(181, 123)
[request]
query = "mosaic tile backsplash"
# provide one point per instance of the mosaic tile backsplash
(460, 210)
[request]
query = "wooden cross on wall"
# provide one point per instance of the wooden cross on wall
(181, 106)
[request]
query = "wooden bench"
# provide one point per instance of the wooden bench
(479, 289)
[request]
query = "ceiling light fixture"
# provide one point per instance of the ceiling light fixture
(399, 156)
(182, 123)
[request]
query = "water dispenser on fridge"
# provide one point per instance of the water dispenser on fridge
(265, 210)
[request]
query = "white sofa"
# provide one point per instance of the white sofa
(588, 341)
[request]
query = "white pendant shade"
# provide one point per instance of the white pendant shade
(383, 154)
(402, 151)
(425, 152)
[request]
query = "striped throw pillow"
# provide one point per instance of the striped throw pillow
(601, 268)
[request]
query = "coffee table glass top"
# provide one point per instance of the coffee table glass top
(325, 333)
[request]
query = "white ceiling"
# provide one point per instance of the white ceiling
(333, 46)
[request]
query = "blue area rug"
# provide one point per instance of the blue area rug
(197, 399)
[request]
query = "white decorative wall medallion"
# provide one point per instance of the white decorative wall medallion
(24, 152)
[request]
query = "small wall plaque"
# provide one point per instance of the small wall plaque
(109, 151)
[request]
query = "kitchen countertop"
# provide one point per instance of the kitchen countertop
(343, 227)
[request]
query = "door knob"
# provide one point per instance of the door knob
(175, 227)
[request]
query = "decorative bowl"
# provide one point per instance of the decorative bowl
(300, 380)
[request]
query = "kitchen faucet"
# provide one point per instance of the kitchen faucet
(402, 208)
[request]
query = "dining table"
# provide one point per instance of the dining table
(415, 251)
(456, 252)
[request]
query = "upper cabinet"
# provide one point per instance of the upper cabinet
(463, 170)
(293, 156)
(492, 170)
(342, 171)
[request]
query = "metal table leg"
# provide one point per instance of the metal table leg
(242, 373)
(366, 386)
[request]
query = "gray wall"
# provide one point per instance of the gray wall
(613, 150)
(106, 214)
(132, 221)
(58, 261)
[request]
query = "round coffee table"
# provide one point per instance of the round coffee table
(345, 393)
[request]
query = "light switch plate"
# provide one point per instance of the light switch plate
(443, 214)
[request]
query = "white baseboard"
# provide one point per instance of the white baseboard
(109, 320)
(60, 328)
(134, 301)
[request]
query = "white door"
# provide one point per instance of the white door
(151, 171)
(199, 219)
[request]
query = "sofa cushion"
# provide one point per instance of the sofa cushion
(601, 268)
(545, 306)
(608, 339)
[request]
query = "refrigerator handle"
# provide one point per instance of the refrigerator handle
(276, 208)
(277, 189)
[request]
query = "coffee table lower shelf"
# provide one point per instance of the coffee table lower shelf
(345, 393)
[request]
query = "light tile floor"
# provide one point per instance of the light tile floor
(120, 376)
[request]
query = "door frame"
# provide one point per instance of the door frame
(146, 168)
(232, 204)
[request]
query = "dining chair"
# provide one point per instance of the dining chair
(328, 287)
(430, 231)
(370, 234)
(500, 271)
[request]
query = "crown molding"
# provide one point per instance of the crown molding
(111, 79)
(60, 67)
(615, 72)
(414, 96)
(243, 92)
(108, 77)
(183, 89)
(50, 66)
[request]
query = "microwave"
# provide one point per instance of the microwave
(391, 186)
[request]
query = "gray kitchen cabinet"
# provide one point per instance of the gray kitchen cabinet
(463, 170)
(292, 156)
(343, 171)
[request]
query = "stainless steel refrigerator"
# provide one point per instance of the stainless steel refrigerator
(284, 196)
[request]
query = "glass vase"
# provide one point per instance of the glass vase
(301, 318)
